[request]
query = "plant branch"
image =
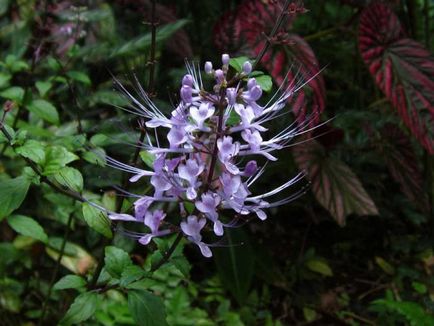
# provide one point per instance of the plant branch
(275, 29)
(168, 253)
(56, 270)
(126, 182)
(34, 167)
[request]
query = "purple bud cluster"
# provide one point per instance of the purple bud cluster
(201, 164)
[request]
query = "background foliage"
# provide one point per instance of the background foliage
(356, 249)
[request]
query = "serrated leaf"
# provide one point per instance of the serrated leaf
(56, 157)
(131, 274)
(13, 93)
(402, 68)
(70, 178)
(235, 263)
(116, 260)
(70, 282)
(97, 220)
(146, 308)
(32, 150)
(45, 110)
(12, 194)
(83, 307)
(27, 226)
(319, 266)
(79, 76)
(334, 184)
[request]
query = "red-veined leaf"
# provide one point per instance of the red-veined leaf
(334, 184)
(243, 31)
(402, 68)
(399, 156)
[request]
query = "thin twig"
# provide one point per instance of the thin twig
(56, 270)
(168, 253)
(275, 29)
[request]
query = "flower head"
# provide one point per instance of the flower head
(201, 161)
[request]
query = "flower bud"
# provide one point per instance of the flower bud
(251, 83)
(186, 94)
(231, 94)
(255, 93)
(247, 67)
(208, 67)
(251, 168)
(219, 75)
(187, 80)
(225, 59)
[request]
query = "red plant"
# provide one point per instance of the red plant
(402, 68)
(244, 30)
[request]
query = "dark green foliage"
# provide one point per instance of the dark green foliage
(356, 249)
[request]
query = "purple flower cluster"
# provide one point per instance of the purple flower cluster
(201, 165)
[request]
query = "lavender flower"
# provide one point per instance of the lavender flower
(199, 164)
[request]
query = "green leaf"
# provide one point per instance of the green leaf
(265, 82)
(76, 259)
(319, 266)
(144, 42)
(385, 266)
(97, 220)
(146, 308)
(13, 93)
(419, 287)
(4, 6)
(334, 184)
(131, 274)
(45, 110)
(235, 264)
(79, 76)
(43, 87)
(12, 194)
(147, 158)
(237, 63)
(95, 156)
(83, 307)
(309, 314)
(414, 313)
(27, 226)
(32, 150)
(116, 260)
(4, 79)
(70, 178)
(70, 282)
(56, 157)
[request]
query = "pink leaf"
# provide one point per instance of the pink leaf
(402, 68)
